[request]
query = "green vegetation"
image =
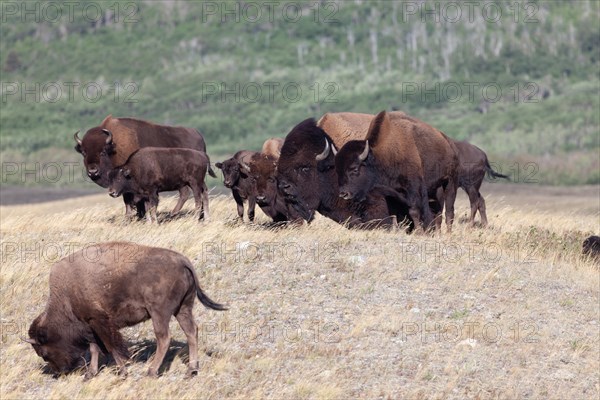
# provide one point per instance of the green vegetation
(173, 61)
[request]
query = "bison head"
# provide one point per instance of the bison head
(97, 148)
(232, 172)
(303, 167)
(61, 345)
(120, 181)
(262, 171)
(355, 170)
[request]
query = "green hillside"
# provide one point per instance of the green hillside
(243, 72)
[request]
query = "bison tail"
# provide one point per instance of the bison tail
(211, 172)
(204, 299)
(207, 302)
(493, 174)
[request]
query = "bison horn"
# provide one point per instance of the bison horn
(334, 150)
(325, 152)
(365, 153)
(77, 138)
(109, 138)
(30, 341)
(245, 166)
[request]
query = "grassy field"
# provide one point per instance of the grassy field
(320, 311)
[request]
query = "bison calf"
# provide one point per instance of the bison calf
(151, 170)
(103, 288)
(236, 178)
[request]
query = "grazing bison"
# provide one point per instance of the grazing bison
(473, 166)
(103, 288)
(261, 170)
(272, 147)
(306, 176)
(112, 142)
(406, 155)
(151, 170)
(236, 178)
(591, 247)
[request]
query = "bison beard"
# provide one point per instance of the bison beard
(123, 284)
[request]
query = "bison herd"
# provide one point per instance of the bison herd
(361, 170)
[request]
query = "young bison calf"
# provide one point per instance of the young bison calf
(151, 170)
(99, 290)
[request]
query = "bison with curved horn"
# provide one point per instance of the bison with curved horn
(306, 177)
(110, 144)
(406, 155)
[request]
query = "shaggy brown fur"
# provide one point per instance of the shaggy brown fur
(405, 154)
(236, 178)
(102, 152)
(310, 185)
(473, 166)
(272, 147)
(151, 170)
(345, 126)
(103, 288)
(262, 170)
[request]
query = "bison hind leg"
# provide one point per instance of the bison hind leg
(185, 318)
(184, 195)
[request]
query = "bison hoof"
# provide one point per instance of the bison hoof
(88, 375)
(123, 372)
(152, 373)
(193, 369)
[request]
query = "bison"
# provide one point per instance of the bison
(472, 169)
(272, 147)
(110, 144)
(103, 288)
(591, 247)
(261, 170)
(406, 155)
(306, 177)
(151, 170)
(236, 178)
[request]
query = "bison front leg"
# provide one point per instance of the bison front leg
(93, 369)
(240, 204)
(184, 194)
(151, 206)
(113, 341)
(251, 207)
(128, 200)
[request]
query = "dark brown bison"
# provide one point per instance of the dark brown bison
(406, 155)
(110, 144)
(103, 288)
(472, 169)
(272, 147)
(261, 170)
(151, 170)
(591, 247)
(306, 177)
(236, 178)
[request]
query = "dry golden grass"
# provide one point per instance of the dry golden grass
(323, 312)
